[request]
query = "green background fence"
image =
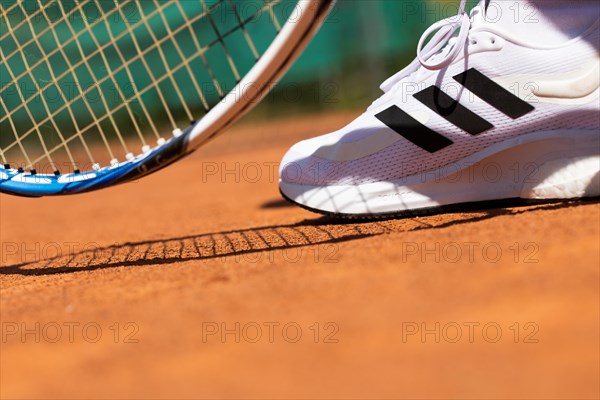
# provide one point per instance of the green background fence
(360, 45)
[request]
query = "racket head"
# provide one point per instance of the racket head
(305, 19)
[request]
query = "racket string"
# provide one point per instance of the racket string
(137, 96)
(124, 98)
(119, 90)
(199, 50)
(35, 41)
(135, 104)
(65, 17)
(168, 70)
(65, 97)
(25, 104)
(270, 5)
(29, 114)
(87, 91)
(222, 42)
(245, 31)
(12, 124)
(79, 63)
(9, 10)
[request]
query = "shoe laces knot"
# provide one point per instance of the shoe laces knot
(441, 50)
(444, 31)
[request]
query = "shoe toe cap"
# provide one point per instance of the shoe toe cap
(296, 163)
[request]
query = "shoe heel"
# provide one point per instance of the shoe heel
(566, 168)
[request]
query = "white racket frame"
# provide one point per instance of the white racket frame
(297, 32)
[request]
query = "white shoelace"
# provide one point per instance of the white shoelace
(441, 50)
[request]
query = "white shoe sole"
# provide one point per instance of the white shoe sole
(562, 164)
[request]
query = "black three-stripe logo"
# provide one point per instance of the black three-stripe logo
(454, 112)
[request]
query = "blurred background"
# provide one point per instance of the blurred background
(361, 44)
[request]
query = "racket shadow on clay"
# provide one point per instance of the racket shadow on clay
(278, 243)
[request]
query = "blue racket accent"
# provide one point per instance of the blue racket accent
(14, 182)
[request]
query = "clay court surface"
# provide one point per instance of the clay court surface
(199, 282)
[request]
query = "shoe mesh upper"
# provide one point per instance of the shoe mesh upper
(402, 158)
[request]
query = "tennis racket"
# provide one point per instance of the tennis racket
(96, 93)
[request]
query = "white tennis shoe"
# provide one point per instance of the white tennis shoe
(480, 115)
